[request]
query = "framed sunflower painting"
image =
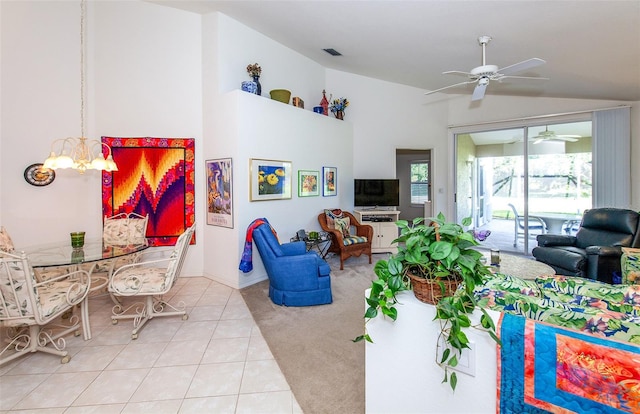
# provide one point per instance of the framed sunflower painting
(269, 179)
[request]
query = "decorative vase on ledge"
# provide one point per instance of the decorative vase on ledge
(339, 114)
(256, 79)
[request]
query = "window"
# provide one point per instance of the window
(419, 182)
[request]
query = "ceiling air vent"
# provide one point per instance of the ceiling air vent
(332, 52)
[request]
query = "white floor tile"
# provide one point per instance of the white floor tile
(15, 387)
(217, 361)
(266, 402)
(216, 379)
(263, 376)
(195, 331)
(112, 387)
(182, 353)
(238, 328)
(165, 383)
(226, 350)
(92, 358)
(155, 407)
(59, 390)
(137, 355)
(220, 405)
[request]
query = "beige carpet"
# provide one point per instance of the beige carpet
(313, 345)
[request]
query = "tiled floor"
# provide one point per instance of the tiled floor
(215, 362)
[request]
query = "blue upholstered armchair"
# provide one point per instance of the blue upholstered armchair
(296, 277)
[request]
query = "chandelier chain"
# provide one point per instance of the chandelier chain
(80, 153)
(83, 12)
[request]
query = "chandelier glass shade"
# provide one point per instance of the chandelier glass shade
(81, 154)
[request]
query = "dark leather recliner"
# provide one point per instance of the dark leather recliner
(594, 252)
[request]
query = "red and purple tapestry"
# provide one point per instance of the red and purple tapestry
(156, 177)
(545, 368)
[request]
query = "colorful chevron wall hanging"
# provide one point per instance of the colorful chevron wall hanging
(156, 176)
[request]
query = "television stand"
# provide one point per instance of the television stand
(384, 228)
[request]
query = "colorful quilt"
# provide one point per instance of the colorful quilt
(155, 177)
(546, 368)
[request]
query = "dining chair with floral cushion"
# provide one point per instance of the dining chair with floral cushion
(31, 310)
(151, 277)
(6, 244)
(119, 230)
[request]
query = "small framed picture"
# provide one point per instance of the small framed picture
(329, 181)
(219, 192)
(308, 183)
(269, 179)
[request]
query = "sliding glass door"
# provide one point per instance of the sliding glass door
(518, 188)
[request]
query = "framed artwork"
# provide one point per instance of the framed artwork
(269, 179)
(155, 177)
(329, 181)
(219, 192)
(308, 183)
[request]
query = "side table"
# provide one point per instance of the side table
(321, 244)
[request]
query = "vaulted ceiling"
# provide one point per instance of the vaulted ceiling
(592, 48)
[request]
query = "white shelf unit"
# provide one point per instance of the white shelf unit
(384, 228)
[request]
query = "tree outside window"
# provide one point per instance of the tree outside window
(419, 182)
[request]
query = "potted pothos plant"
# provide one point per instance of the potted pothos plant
(434, 255)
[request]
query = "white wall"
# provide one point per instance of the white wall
(143, 79)
(389, 116)
(241, 126)
(275, 132)
(407, 346)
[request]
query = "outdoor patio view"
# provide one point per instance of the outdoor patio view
(497, 185)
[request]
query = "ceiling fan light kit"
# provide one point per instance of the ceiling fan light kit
(547, 135)
(484, 73)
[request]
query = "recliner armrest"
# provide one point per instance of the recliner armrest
(550, 240)
(612, 251)
(294, 248)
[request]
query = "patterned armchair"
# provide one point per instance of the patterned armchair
(150, 278)
(345, 242)
(27, 305)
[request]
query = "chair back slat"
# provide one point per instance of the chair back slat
(179, 253)
(124, 229)
(19, 297)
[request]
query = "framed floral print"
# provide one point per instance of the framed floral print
(329, 181)
(219, 192)
(269, 179)
(308, 183)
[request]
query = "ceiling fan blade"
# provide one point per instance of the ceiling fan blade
(537, 141)
(520, 66)
(478, 92)
(450, 86)
(567, 138)
(519, 77)
(458, 73)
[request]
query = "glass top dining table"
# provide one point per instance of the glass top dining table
(62, 254)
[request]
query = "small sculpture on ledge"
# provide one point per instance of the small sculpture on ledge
(324, 103)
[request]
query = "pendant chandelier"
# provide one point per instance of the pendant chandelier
(81, 154)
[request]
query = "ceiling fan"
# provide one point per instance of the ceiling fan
(547, 135)
(485, 73)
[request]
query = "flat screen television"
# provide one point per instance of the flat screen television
(376, 192)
